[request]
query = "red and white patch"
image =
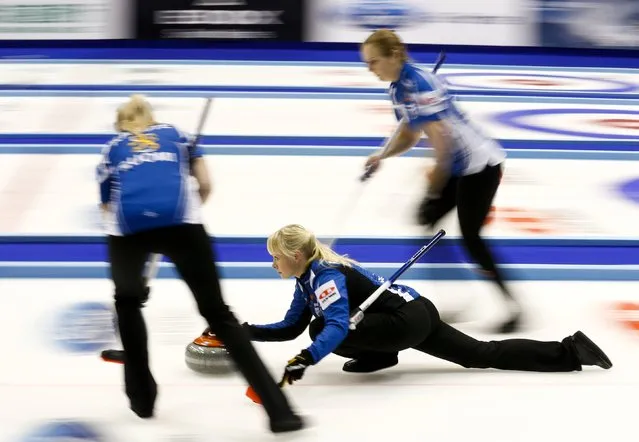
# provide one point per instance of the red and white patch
(327, 294)
(427, 99)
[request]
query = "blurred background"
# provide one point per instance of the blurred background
(294, 116)
(544, 23)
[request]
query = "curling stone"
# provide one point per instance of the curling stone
(206, 354)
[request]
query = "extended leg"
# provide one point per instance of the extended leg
(570, 354)
(190, 249)
(127, 260)
(474, 199)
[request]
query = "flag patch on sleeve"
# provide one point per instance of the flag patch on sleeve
(327, 294)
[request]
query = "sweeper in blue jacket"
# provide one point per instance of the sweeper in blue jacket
(153, 181)
(329, 287)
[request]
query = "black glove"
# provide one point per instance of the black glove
(207, 331)
(428, 212)
(145, 298)
(251, 330)
(296, 367)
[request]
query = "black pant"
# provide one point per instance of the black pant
(189, 248)
(473, 196)
(417, 325)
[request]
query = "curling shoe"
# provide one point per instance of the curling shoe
(115, 356)
(588, 352)
(143, 403)
(287, 424)
(370, 365)
(142, 412)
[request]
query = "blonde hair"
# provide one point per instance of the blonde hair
(135, 115)
(293, 237)
(388, 43)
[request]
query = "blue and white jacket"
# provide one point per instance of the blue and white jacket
(420, 97)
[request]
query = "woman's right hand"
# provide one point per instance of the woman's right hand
(372, 164)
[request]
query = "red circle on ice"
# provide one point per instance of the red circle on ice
(548, 80)
(619, 123)
(627, 314)
(530, 82)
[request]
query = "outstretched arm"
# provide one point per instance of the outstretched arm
(294, 323)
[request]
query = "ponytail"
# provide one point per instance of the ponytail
(325, 253)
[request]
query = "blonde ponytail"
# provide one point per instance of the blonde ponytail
(294, 237)
(326, 254)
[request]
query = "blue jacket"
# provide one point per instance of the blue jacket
(146, 179)
(331, 291)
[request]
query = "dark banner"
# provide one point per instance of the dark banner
(220, 19)
(589, 23)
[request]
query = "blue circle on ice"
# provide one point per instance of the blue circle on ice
(64, 431)
(84, 327)
(630, 190)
